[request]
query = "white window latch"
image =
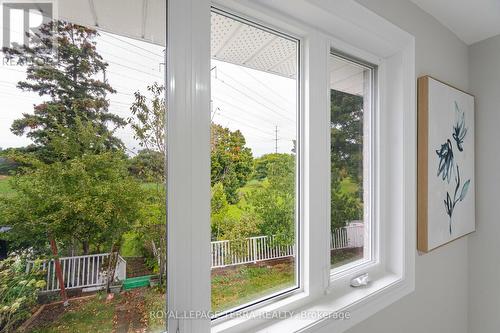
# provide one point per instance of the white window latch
(360, 281)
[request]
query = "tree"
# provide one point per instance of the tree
(345, 207)
(347, 134)
(231, 161)
(148, 165)
(346, 157)
(149, 124)
(274, 202)
(64, 66)
(85, 196)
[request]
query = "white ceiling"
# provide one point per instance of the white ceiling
(471, 20)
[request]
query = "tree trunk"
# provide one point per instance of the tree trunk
(85, 247)
(113, 260)
(58, 270)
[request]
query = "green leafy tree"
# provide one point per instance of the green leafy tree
(346, 157)
(85, 197)
(231, 160)
(64, 66)
(345, 207)
(347, 134)
(148, 123)
(148, 165)
(274, 202)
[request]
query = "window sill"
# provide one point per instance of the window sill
(351, 305)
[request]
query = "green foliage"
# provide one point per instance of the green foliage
(88, 198)
(68, 75)
(346, 116)
(149, 124)
(5, 189)
(274, 202)
(346, 158)
(149, 115)
(148, 165)
(261, 164)
(218, 200)
(345, 206)
(18, 290)
(132, 245)
(231, 161)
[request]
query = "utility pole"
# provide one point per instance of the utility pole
(276, 139)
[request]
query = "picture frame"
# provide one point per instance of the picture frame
(445, 170)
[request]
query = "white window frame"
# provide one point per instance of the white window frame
(320, 25)
(297, 288)
(370, 168)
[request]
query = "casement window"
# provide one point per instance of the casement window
(255, 154)
(286, 173)
(352, 110)
(323, 108)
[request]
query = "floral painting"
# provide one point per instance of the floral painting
(446, 164)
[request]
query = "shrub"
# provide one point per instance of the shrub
(18, 290)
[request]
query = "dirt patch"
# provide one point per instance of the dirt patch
(52, 312)
(130, 313)
(266, 263)
(2, 177)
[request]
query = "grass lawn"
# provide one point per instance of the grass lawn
(344, 257)
(5, 188)
(144, 309)
(245, 283)
(155, 300)
(141, 310)
(90, 315)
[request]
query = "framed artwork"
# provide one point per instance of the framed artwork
(446, 195)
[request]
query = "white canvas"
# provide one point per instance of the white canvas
(451, 183)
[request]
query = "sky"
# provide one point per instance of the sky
(255, 102)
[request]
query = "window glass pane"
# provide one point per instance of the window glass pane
(350, 96)
(82, 195)
(253, 163)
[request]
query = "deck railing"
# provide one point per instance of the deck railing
(254, 249)
(88, 271)
(80, 271)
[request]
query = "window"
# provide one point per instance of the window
(229, 95)
(254, 159)
(82, 155)
(352, 216)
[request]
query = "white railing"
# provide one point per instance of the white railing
(80, 271)
(229, 253)
(351, 236)
(253, 249)
(88, 271)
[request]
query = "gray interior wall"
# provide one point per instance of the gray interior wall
(440, 301)
(484, 245)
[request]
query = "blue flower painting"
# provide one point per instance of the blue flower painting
(446, 165)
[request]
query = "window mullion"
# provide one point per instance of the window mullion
(316, 165)
(188, 164)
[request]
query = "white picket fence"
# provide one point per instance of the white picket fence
(80, 271)
(88, 271)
